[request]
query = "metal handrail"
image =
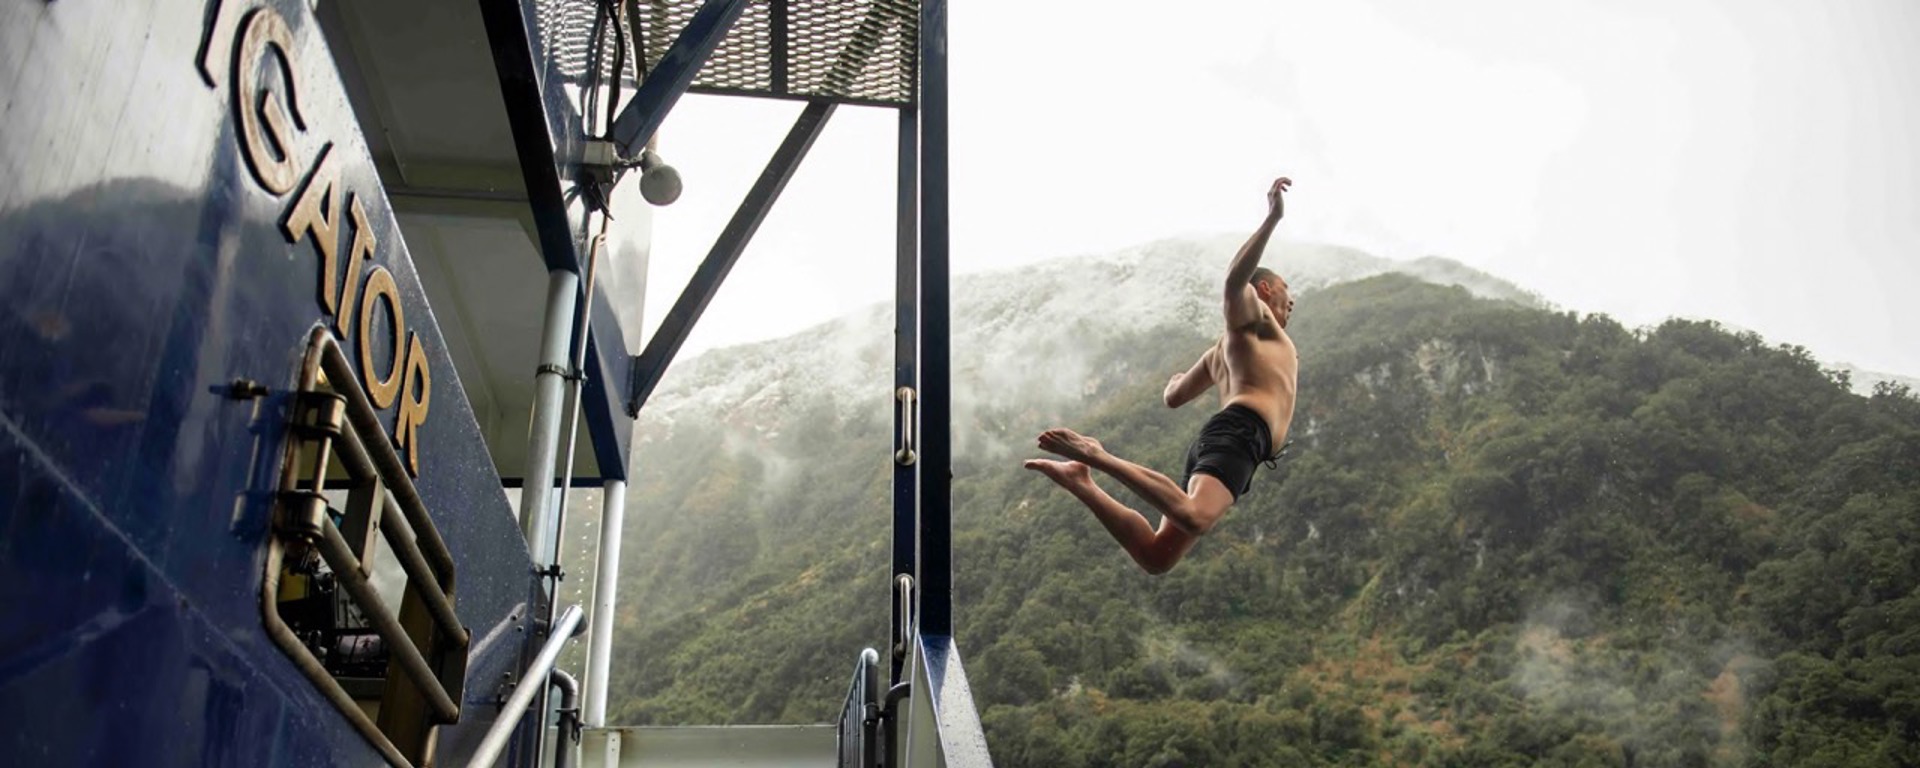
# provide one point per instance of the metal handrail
(410, 534)
(346, 570)
(902, 636)
(531, 682)
(905, 455)
(404, 540)
(366, 419)
(413, 537)
(283, 636)
(861, 711)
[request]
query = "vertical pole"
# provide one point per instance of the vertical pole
(606, 578)
(543, 441)
(906, 288)
(543, 448)
(936, 395)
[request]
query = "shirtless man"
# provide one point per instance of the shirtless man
(1255, 368)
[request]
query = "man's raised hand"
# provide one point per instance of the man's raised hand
(1276, 197)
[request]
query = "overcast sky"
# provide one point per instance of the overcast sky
(1748, 161)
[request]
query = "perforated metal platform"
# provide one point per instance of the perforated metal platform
(853, 51)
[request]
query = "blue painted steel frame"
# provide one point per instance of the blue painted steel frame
(546, 128)
(671, 76)
(652, 363)
(936, 391)
(963, 743)
(548, 136)
(906, 351)
(603, 396)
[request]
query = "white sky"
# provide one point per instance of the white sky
(1749, 161)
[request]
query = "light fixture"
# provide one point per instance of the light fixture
(659, 182)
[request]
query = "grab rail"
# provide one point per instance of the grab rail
(330, 413)
(531, 682)
(908, 399)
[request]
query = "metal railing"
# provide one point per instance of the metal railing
(859, 728)
(532, 682)
(333, 423)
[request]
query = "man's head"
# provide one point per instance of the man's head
(1275, 293)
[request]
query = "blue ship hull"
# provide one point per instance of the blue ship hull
(144, 268)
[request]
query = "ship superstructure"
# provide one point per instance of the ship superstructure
(310, 313)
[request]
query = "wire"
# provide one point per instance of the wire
(614, 14)
(596, 38)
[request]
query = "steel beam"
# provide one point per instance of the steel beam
(779, 34)
(652, 363)
(669, 79)
(906, 295)
(936, 391)
(537, 140)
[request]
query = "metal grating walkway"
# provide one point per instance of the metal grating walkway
(850, 51)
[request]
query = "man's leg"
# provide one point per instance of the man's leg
(1156, 551)
(1194, 511)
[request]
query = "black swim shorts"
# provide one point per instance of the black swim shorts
(1232, 443)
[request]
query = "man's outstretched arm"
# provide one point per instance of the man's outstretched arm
(1242, 306)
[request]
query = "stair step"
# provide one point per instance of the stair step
(712, 746)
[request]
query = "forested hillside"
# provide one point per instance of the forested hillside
(1504, 536)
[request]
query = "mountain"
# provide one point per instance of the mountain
(1506, 535)
(1865, 382)
(1862, 381)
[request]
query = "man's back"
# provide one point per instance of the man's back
(1257, 366)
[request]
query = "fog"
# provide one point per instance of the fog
(1750, 163)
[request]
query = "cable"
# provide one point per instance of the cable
(614, 14)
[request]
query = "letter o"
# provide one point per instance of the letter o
(380, 285)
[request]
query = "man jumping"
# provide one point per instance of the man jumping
(1255, 367)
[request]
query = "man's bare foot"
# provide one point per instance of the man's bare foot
(1069, 474)
(1070, 444)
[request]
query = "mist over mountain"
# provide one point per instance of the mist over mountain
(1506, 535)
(1012, 317)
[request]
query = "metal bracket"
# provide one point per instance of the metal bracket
(903, 593)
(300, 515)
(573, 375)
(600, 154)
(319, 415)
(245, 389)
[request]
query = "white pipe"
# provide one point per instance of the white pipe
(576, 362)
(566, 748)
(543, 439)
(606, 577)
